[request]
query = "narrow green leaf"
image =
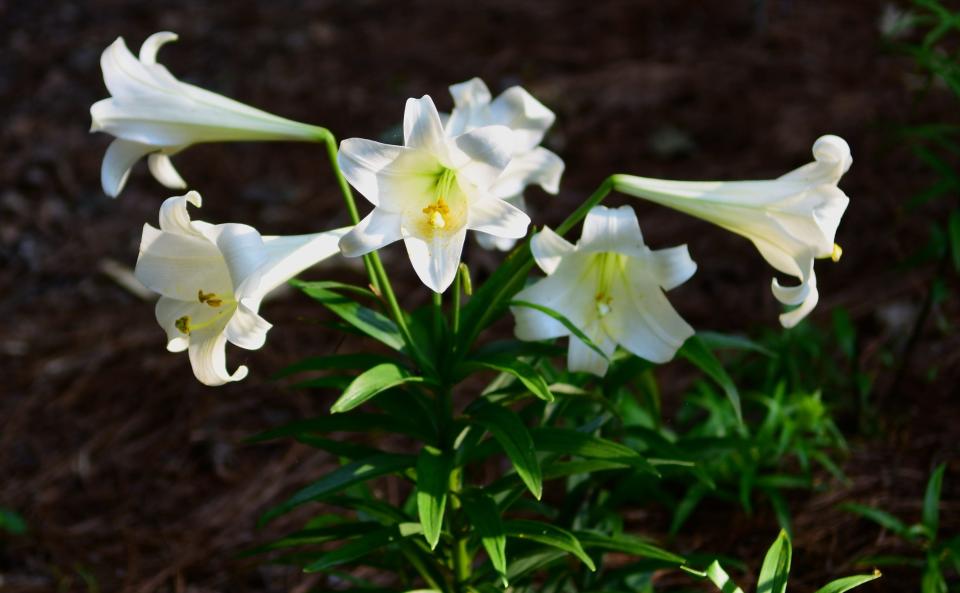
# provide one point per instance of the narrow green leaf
(508, 429)
(317, 535)
(368, 321)
(371, 383)
(847, 583)
(433, 480)
(548, 535)
(696, 351)
(354, 549)
(776, 566)
(527, 375)
(953, 231)
(343, 477)
(485, 518)
(882, 518)
(628, 545)
(719, 341)
(573, 329)
(721, 579)
(931, 500)
(572, 442)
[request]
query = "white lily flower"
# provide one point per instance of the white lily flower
(529, 119)
(610, 286)
(430, 191)
(152, 113)
(212, 279)
(791, 220)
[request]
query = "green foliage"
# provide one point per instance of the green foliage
(11, 522)
(775, 573)
(515, 471)
(934, 554)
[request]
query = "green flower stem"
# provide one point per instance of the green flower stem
(455, 310)
(327, 137)
(438, 319)
(462, 563)
(378, 275)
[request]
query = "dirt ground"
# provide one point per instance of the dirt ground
(132, 477)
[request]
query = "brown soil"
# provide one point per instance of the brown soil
(134, 478)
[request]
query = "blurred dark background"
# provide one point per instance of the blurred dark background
(133, 477)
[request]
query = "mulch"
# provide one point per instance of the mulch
(133, 477)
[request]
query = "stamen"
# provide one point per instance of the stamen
(183, 324)
(837, 252)
(437, 213)
(209, 298)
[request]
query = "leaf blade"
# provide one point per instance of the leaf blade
(433, 479)
(508, 430)
(371, 383)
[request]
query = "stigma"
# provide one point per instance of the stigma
(604, 303)
(437, 214)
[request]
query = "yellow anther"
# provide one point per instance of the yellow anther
(209, 298)
(837, 252)
(437, 214)
(183, 324)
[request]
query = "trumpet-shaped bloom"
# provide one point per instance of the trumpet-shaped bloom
(792, 220)
(611, 287)
(430, 191)
(152, 113)
(212, 278)
(531, 164)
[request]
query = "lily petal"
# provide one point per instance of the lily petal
(150, 47)
(498, 218)
(378, 229)
(671, 266)
(169, 310)
(484, 154)
(470, 93)
(792, 318)
(642, 320)
(177, 265)
(287, 256)
(208, 357)
(246, 328)
(612, 229)
(362, 160)
(548, 249)
(120, 157)
(584, 359)
(436, 261)
(163, 171)
(520, 111)
(537, 167)
(241, 247)
(422, 127)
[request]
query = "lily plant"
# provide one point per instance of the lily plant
(480, 424)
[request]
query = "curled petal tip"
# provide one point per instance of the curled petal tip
(834, 149)
(150, 47)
